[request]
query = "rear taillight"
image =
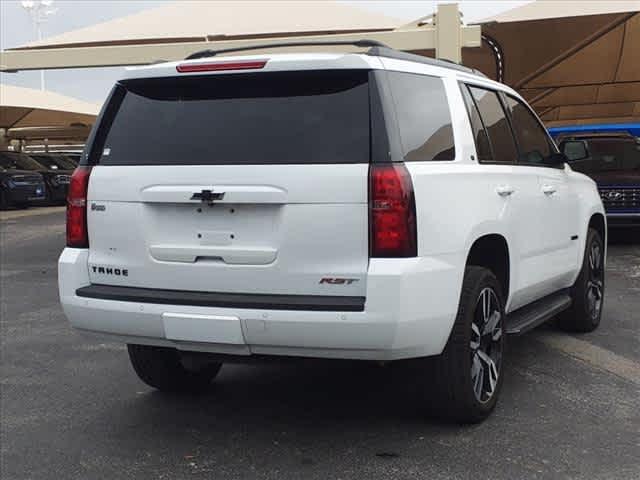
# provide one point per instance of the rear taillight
(77, 234)
(392, 211)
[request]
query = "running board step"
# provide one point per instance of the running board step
(529, 317)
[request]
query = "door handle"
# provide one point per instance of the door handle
(548, 189)
(505, 190)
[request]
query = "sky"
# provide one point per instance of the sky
(93, 84)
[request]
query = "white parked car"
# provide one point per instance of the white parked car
(376, 206)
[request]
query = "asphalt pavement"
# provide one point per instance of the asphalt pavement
(72, 408)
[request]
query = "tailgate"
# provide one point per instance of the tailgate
(252, 183)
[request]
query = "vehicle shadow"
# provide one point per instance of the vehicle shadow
(322, 390)
(313, 411)
(310, 392)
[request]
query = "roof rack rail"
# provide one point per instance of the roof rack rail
(384, 51)
(364, 43)
(376, 49)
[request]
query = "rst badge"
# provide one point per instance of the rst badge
(338, 280)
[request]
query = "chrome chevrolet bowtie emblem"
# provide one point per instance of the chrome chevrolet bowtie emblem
(207, 196)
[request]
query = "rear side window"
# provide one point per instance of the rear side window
(497, 125)
(423, 115)
(259, 118)
(532, 138)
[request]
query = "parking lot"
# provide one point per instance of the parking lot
(72, 408)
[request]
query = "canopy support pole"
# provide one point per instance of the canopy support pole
(449, 33)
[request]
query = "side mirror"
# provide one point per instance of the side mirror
(574, 150)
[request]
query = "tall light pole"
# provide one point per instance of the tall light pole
(40, 11)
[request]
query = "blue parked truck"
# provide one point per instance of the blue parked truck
(610, 154)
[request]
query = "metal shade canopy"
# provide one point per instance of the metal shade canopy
(25, 107)
(194, 21)
(574, 62)
(28, 114)
(178, 29)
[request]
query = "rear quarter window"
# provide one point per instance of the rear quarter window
(308, 117)
(423, 115)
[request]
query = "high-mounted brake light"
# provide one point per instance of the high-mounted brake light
(77, 234)
(218, 66)
(392, 211)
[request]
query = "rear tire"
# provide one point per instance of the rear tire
(468, 373)
(161, 368)
(587, 294)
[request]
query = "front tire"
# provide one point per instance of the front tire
(587, 294)
(161, 368)
(468, 373)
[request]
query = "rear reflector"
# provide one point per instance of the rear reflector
(218, 66)
(392, 211)
(77, 234)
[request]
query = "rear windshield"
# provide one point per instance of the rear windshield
(54, 163)
(18, 161)
(610, 155)
(261, 118)
(65, 162)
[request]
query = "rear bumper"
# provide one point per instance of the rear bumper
(409, 310)
(223, 300)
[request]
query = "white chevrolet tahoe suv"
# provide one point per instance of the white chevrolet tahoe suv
(376, 206)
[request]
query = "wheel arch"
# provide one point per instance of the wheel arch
(492, 251)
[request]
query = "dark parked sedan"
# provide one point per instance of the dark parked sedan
(56, 178)
(19, 186)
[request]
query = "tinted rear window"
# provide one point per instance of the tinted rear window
(423, 116)
(260, 118)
